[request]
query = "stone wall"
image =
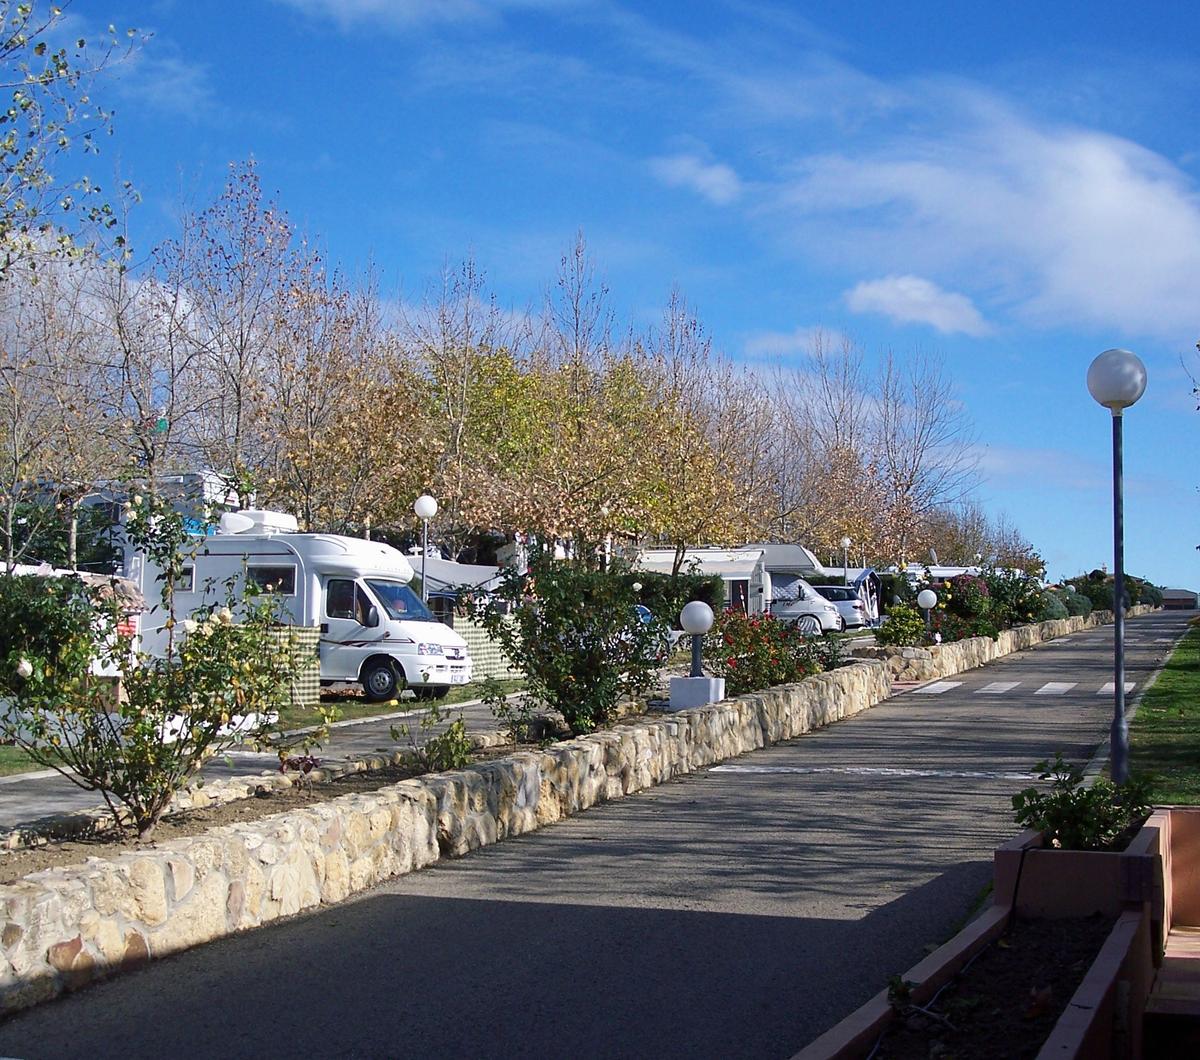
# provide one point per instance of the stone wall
(61, 928)
(945, 660)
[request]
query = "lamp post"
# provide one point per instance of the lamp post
(696, 618)
(426, 508)
(1116, 379)
(845, 560)
(926, 601)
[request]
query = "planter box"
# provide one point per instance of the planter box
(1104, 1016)
(1042, 882)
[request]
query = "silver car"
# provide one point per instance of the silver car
(801, 604)
(849, 604)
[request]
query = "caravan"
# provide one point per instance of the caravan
(374, 630)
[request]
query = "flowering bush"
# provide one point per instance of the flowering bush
(137, 749)
(757, 651)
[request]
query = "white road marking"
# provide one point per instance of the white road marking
(1111, 687)
(879, 771)
(1056, 688)
(997, 687)
(936, 689)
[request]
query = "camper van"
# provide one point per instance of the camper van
(375, 631)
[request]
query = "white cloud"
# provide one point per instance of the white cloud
(914, 300)
(1064, 225)
(715, 181)
(403, 14)
(801, 341)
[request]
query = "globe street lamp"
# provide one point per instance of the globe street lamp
(1116, 379)
(845, 560)
(926, 601)
(696, 618)
(426, 508)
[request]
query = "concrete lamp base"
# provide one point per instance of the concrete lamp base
(689, 692)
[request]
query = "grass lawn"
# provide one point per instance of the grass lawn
(14, 760)
(1165, 735)
(357, 707)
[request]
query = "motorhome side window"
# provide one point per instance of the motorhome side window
(339, 598)
(187, 580)
(279, 580)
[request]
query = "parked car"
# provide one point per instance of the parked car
(849, 604)
(807, 609)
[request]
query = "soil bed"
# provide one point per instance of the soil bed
(1004, 1004)
(17, 863)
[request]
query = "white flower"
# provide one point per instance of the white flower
(137, 498)
(24, 669)
(189, 625)
(225, 616)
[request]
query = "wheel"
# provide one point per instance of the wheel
(809, 625)
(841, 625)
(380, 681)
(428, 692)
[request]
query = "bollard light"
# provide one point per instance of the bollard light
(696, 618)
(927, 601)
(425, 508)
(1116, 379)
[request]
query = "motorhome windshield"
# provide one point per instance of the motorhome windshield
(400, 601)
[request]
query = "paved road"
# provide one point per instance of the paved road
(739, 912)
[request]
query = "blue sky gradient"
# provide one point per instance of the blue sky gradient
(1012, 187)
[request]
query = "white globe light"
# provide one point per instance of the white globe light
(696, 618)
(425, 506)
(845, 542)
(1116, 379)
(926, 599)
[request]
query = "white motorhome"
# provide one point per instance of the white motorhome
(375, 631)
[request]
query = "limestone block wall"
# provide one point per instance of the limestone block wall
(62, 927)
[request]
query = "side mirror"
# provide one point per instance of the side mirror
(372, 616)
(802, 593)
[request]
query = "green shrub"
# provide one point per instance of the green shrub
(575, 634)
(1074, 816)
(752, 652)
(893, 587)
(1016, 599)
(952, 627)
(174, 713)
(1052, 607)
(665, 596)
(904, 627)
(1076, 603)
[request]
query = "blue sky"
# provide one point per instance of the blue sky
(1012, 187)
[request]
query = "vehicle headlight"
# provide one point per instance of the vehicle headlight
(430, 649)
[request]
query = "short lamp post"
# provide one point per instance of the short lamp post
(1116, 379)
(696, 618)
(927, 601)
(425, 508)
(845, 560)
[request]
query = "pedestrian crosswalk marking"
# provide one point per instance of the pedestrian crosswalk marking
(997, 687)
(937, 688)
(1111, 687)
(1055, 688)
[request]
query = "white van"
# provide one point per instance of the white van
(375, 631)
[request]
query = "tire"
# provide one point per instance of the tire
(381, 681)
(841, 625)
(428, 692)
(809, 625)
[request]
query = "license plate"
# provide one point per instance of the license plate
(458, 679)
